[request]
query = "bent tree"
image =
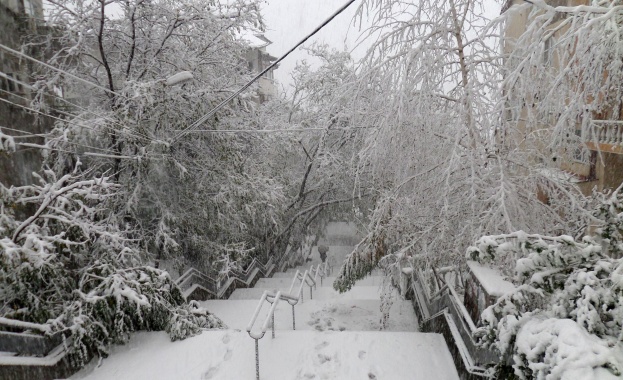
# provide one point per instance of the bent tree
(435, 75)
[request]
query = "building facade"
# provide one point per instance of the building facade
(592, 155)
(258, 59)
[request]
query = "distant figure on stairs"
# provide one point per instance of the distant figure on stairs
(322, 250)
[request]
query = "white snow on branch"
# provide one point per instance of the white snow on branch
(181, 77)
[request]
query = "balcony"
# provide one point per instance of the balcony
(605, 136)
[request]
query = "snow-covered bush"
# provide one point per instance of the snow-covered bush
(565, 319)
(67, 265)
(609, 215)
(189, 320)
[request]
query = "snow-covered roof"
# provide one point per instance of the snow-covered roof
(492, 281)
(255, 40)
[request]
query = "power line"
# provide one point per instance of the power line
(203, 119)
(29, 134)
(63, 120)
(132, 134)
(20, 54)
(273, 130)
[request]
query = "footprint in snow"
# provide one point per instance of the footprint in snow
(362, 355)
(226, 339)
(322, 345)
(228, 355)
(324, 358)
(209, 374)
(371, 376)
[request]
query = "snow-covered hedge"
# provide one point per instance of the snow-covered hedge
(565, 319)
(67, 265)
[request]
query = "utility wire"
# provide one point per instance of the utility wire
(20, 54)
(63, 120)
(68, 121)
(272, 130)
(203, 119)
(135, 134)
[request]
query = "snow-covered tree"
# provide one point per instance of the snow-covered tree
(564, 319)
(319, 158)
(199, 197)
(451, 153)
(68, 266)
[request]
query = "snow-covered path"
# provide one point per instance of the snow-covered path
(229, 355)
(337, 337)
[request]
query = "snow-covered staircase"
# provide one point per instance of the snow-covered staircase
(337, 336)
(356, 310)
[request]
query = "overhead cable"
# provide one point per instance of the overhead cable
(204, 118)
(20, 54)
(135, 134)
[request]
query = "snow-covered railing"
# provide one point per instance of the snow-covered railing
(211, 284)
(441, 310)
(273, 298)
(308, 279)
(270, 318)
(322, 271)
(606, 132)
(443, 323)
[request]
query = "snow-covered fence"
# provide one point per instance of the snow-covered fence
(195, 284)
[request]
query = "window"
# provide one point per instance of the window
(29, 8)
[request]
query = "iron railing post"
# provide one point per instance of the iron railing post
(273, 325)
(293, 319)
(257, 360)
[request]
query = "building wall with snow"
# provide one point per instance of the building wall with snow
(19, 18)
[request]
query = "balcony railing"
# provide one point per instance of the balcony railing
(605, 132)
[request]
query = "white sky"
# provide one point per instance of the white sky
(289, 21)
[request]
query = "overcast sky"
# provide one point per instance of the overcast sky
(289, 21)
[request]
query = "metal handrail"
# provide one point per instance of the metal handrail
(464, 352)
(270, 317)
(307, 278)
(447, 304)
(211, 283)
(464, 313)
(322, 270)
(271, 313)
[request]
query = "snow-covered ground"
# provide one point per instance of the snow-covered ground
(337, 337)
(229, 355)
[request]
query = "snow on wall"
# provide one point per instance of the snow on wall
(492, 281)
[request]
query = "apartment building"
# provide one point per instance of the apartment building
(258, 59)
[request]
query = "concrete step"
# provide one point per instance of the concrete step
(319, 315)
(230, 354)
(358, 292)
